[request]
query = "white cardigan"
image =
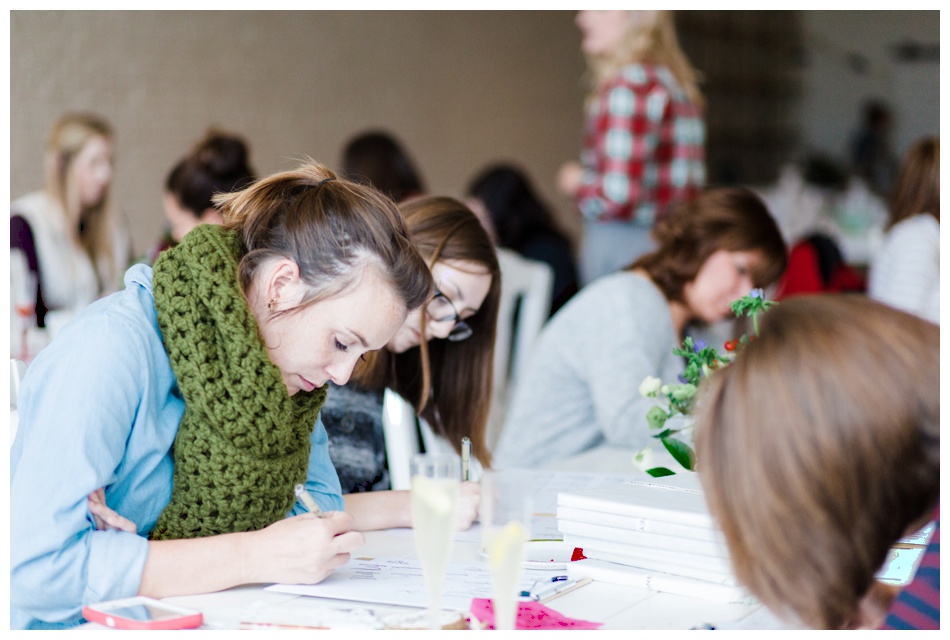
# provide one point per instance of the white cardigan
(68, 276)
(906, 271)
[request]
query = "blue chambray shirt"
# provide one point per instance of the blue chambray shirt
(99, 407)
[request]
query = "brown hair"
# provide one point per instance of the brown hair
(217, 164)
(732, 219)
(330, 227)
(66, 139)
(651, 37)
(448, 382)
(917, 189)
(819, 447)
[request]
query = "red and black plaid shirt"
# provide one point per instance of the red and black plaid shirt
(643, 147)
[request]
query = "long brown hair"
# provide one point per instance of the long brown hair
(92, 227)
(651, 37)
(819, 447)
(728, 218)
(449, 383)
(917, 189)
(330, 227)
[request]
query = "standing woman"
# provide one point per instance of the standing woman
(643, 142)
(440, 361)
(906, 271)
(224, 350)
(68, 240)
(580, 389)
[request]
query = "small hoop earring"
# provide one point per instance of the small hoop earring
(271, 304)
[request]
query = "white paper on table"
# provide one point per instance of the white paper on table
(398, 581)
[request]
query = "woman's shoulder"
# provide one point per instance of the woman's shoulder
(632, 292)
(913, 233)
(922, 224)
(32, 205)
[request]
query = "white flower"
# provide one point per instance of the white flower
(650, 387)
(644, 459)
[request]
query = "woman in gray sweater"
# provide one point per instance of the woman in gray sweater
(581, 387)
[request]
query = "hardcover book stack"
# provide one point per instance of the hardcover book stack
(655, 534)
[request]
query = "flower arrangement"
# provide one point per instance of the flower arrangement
(672, 414)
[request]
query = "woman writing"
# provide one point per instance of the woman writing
(594, 353)
(643, 141)
(440, 361)
(68, 243)
(813, 468)
(224, 350)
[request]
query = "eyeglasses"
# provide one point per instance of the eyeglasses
(441, 309)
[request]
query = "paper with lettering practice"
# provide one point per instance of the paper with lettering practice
(398, 581)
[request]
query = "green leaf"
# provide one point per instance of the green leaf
(656, 417)
(659, 472)
(680, 451)
(666, 433)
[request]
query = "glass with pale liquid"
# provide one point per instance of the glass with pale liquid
(506, 522)
(435, 480)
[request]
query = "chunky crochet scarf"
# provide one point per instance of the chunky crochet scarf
(243, 442)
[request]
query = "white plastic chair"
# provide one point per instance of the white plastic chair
(526, 288)
(402, 437)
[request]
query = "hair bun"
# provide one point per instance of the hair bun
(222, 154)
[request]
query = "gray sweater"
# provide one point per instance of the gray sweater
(581, 386)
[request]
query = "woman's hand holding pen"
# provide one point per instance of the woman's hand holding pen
(304, 549)
(470, 497)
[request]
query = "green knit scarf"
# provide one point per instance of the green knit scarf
(243, 442)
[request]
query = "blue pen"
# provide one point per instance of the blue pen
(527, 594)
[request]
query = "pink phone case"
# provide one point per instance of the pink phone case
(115, 621)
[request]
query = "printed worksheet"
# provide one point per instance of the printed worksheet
(399, 581)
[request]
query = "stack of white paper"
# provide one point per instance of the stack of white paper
(655, 534)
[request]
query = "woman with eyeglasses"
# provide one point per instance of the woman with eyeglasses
(440, 361)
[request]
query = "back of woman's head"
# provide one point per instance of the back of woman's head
(650, 38)
(819, 447)
(217, 164)
(66, 139)
(917, 189)
(377, 158)
(331, 227)
(516, 212)
(724, 218)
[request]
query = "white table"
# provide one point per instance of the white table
(617, 607)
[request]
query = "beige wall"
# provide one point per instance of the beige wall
(460, 89)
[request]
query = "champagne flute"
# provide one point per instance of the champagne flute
(506, 522)
(435, 480)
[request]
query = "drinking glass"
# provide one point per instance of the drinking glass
(506, 521)
(434, 480)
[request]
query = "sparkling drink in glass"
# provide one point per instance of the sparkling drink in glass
(435, 480)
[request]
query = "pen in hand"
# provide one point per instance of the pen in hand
(308, 501)
(466, 458)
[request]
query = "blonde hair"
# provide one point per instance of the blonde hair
(651, 38)
(68, 137)
(819, 447)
